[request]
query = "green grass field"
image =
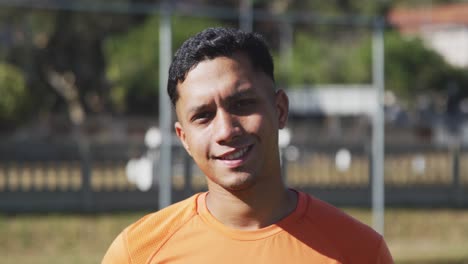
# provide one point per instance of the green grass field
(414, 236)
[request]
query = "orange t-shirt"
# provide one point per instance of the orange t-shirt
(186, 232)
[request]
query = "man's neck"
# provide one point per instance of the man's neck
(251, 209)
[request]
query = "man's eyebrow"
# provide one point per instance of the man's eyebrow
(240, 95)
(236, 96)
(197, 108)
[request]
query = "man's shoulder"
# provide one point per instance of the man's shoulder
(336, 221)
(351, 240)
(148, 234)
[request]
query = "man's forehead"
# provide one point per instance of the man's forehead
(198, 96)
(235, 71)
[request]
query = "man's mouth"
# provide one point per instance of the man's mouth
(236, 154)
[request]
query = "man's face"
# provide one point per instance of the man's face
(229, 116)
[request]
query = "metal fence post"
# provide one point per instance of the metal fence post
(6, 170)
(456, 183)
(370, 173)
(86, 185)
(188, 173)
(85, 161)
(284, 164)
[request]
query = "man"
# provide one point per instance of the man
(222, 87)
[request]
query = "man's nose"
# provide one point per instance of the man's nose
(226, 127)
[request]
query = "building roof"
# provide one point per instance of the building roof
(411, 19)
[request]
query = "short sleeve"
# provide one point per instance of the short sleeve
(117, 252)
(384, 256)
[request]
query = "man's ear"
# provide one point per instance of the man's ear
(181, 135)
(282, 106)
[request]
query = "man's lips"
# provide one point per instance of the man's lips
(234, 154)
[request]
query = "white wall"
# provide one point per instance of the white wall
(451, 41)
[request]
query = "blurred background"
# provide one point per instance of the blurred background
(82, 123)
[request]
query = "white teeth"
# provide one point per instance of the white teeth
(236, 155)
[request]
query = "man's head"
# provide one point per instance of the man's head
(217, 42)
(228, 112)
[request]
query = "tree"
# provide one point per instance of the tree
(410, 67)
(98, 62)
(133, 62)
(325, 59)
(49, 46)
(14, 99)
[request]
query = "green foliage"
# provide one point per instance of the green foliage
(337, 8)
(14, 94)
(406, 3)
(124, 50)
(322, 59)
(13, 101)
(410, 67)
(133, 60)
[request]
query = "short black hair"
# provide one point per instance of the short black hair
(217, 42)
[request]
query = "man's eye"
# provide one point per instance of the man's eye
(202, 117)
(244, 103)
(244, 106)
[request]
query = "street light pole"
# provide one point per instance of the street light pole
(165, 111)
(246, 15)
(378, 190)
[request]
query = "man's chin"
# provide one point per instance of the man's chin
(240, 185)
(233, 181)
